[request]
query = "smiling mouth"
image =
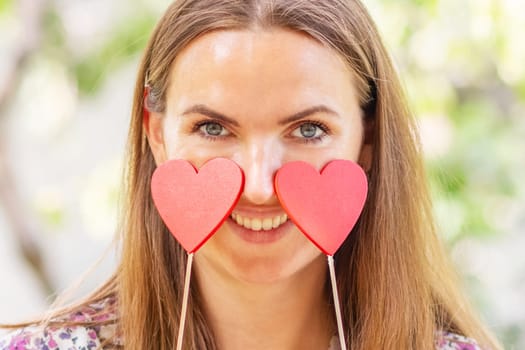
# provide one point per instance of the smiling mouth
(259, 224)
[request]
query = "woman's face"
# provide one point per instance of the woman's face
(260, 98)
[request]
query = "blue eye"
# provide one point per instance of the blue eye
(309, 131)
(213, 129)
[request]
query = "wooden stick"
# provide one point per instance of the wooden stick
(184, 309)
(336, 303)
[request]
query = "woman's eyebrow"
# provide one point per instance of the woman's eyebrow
(202, 109)
(307, 112)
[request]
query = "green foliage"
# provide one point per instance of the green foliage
(122, 44)
(125, 42)
(53, 37)
(5, 6)
(462, 62)
(453, 74)
(520, 89)
(52, 217)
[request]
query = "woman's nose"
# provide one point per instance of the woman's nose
(259, 162)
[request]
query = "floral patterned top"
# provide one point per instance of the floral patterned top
(91, 338)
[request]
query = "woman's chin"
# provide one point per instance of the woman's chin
(264, 270)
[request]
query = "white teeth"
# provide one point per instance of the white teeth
(276, 221)
(257, 224)
(239, 220)
(267, 224)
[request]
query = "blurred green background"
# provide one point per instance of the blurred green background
(66, 76)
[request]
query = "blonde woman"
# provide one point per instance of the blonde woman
(265, 82)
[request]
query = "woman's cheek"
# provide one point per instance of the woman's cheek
(317, 157)
(197, 152)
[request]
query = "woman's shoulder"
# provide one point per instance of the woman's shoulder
(84, 329)
(33, 338)
(453, 341)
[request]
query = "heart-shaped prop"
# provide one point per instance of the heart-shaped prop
(325, 206)
(194, 204)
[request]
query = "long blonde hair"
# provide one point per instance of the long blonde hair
(396, 285)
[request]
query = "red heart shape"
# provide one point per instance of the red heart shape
(194, 204)
(325, 206)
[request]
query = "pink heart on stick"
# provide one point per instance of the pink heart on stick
(325, 206)
(194, 204)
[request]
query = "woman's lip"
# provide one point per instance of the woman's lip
(262, 236)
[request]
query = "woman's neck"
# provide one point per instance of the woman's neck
(291, 313)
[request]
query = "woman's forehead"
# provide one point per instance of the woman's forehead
(257, 65)
(256, 49)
